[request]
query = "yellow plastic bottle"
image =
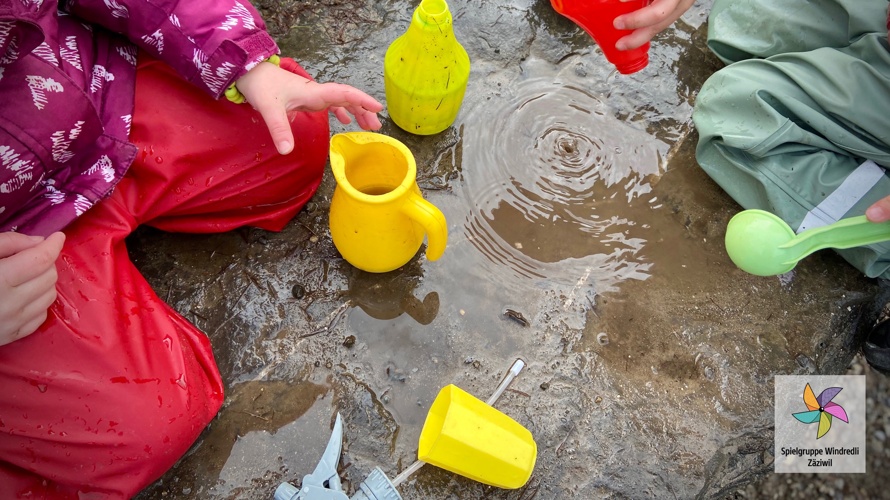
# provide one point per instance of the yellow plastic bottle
(426, 72)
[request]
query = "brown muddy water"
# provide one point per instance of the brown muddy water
(582, 239)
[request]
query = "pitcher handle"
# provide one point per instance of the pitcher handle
(433, 221)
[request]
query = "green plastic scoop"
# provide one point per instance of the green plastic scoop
(761, 243)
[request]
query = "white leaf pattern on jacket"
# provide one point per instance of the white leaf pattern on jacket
(128, 122)
(81, 204)
(104, 167)
(61, 143)
(46, 53)
(22, 169)
(12, 51)
(213, 79)
(54, 196)
(70, 53)
(155, 40)
(117, 10)
(39, 86)
(34, 3)
(238, 12)
(128, 52)
(100, 76)
(5, 30)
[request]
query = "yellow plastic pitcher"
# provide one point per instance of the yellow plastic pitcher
(378, 217)
(464, 435)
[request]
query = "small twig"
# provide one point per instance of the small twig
(519, 392)
(254, 415)
(307, 228)
(526, 489)
(236, 312)
(565, 438)
(716, 304)
(198, 315)
(253, 279)
(336, 316)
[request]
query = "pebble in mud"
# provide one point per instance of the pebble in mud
(602, 338)
(298, 291)
(349, 341)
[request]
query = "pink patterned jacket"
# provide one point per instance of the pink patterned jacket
(67, 81)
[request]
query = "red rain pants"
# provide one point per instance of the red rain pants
(116, 386)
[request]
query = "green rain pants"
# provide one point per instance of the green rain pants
(798, 122)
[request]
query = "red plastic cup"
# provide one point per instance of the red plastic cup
(596, 17)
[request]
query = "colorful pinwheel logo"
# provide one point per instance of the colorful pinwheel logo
(821, 409)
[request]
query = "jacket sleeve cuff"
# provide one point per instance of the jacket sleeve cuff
(232, 59)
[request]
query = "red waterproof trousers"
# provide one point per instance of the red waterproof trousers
(116, 386)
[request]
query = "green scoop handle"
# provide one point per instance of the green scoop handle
(761, 243)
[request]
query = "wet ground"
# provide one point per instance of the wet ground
(583, 238)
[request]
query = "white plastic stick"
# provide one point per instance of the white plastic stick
(517, 367)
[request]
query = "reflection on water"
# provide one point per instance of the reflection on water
(285, 453)
(557, 186)
(388, 295)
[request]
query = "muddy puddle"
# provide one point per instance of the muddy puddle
(582, 239)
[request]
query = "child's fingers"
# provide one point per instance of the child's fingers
(275, 116)
(368, 120)
(12, 243)
(341, 114)
(651, 15)
(27, 292)
(29, 327)
(879, 211)
(30, 263)
(345, 96)
(636, 39)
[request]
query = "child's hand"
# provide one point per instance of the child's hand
(879, 211)
(274, 92)
(27, 282)
(649, 21)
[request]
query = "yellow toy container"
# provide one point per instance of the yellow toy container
(464, 435)
(426, 72)
(378, 217)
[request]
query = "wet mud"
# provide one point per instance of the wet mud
(583, 238)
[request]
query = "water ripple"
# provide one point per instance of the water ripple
(556, 185)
